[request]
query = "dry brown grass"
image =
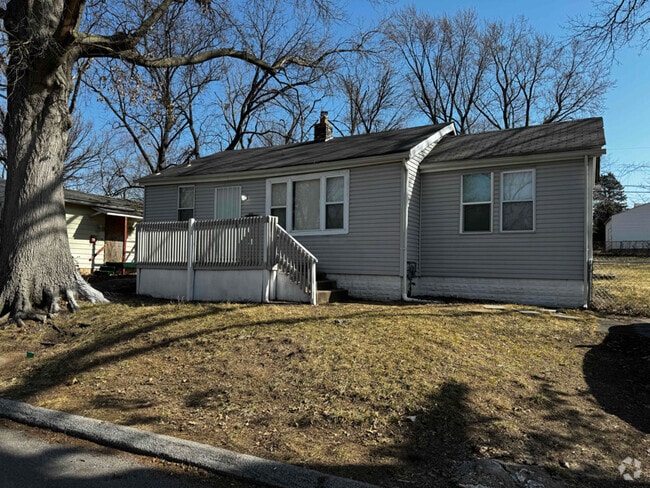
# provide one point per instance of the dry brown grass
(375, 392)
(622, 285)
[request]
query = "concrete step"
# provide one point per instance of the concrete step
(330, 296)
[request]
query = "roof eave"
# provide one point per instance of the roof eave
(161, 179)
(441, 166)
(116, 213)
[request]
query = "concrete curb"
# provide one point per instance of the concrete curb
(206, 457)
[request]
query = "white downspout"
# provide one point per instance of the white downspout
(404, 238)
(588, 227)
(450, 128)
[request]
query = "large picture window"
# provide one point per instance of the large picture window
(518, 201)
(476, 205)
(310, 204)
(185, 202)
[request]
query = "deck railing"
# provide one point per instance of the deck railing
(162, 244)
(245, 243)
(295, 260)
(232, 243)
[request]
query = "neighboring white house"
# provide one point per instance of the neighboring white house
(108, 221)
(629, 229)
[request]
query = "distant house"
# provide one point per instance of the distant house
(110, 221)
(418, 212)
(629, 229)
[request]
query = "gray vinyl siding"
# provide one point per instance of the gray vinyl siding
(253, 189)
(413, 193)
(161, 201)
(413, 231)
(372, 245)
(555, 250)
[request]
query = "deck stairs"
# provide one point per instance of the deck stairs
(327, 290)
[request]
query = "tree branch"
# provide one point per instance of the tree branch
(112, 46)
(69, 21)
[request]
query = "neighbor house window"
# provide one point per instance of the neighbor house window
(227, 202)
(310, 204)
(185, 202)
(518, 201)
(476, 203)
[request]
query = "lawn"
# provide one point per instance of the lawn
(622, 285)
(396, 395)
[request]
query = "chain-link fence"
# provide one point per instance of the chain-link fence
(621, 285)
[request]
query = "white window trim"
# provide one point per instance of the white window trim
(178, 199)
(462, 205)
(239, 202)
(289, 180)
(502, 201)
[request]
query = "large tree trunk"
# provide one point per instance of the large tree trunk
(36, 266)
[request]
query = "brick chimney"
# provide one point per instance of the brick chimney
(322, 130)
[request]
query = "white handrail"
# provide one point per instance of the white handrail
(295, 260)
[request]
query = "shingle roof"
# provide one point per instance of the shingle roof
(306, 153)
(575, 135)
(101, 203)
(104, 204)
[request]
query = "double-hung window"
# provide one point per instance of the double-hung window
(278, 206)
(310, 204)
(185, 202)
(518, 201)
(476, 202)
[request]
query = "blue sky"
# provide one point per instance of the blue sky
(627, 106)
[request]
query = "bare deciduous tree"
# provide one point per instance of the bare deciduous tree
(251, 98)
(45, 41)
(616, 23)
(155, 106)
(373, 96)
(500, 76)
(445, 62)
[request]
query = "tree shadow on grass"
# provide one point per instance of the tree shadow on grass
(62, 368)
(618, 374)
(431, 440)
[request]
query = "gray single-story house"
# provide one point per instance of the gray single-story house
(417, 212)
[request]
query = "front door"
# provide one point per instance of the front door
(114, 239)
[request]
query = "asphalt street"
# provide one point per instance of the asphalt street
(27, 461)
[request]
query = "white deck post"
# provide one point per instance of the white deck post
(190, 261)
(314, 291)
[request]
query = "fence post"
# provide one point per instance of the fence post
(190, 261)
(314, 291)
